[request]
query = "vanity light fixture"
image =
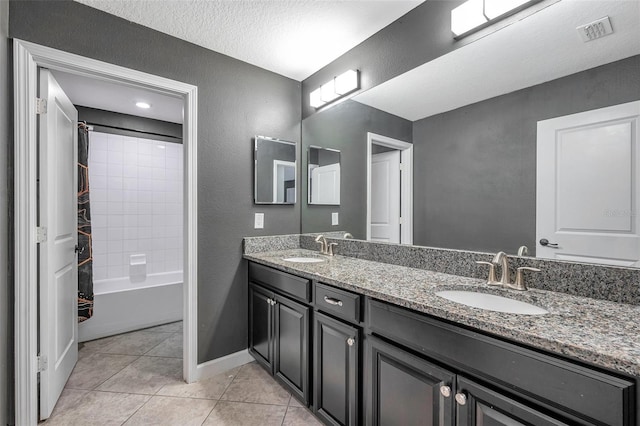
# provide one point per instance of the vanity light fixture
(474, 15)
(335, 88)
(143, 105)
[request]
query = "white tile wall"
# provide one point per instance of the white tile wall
(136, 203)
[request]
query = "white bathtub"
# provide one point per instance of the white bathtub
(121, 306)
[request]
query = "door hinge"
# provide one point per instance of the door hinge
(41, 234)
(41, 106)
(42, 363)
(401, 167)
(400, 221)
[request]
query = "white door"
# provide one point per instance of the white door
(385, 197)
(587, 186)
(58, 283)
(325, 181)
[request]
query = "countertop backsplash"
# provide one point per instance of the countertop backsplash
(615, 284)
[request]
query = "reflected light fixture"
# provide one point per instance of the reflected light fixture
(474, 15)
(143, 105)
(335, 88)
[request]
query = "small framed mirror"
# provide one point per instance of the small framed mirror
(324, 176)
(275, 171)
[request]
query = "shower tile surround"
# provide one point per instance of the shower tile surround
(598, 332)
(136, 204)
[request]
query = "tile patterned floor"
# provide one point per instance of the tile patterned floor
(136, 379)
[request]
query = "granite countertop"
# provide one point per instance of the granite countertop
(602, 333)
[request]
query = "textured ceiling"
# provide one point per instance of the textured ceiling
(294, 38)
(542, 47)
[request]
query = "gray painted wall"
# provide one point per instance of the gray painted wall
(419, 36)
(6, 307)
(344, 127)
(475, 167)
(236, 101)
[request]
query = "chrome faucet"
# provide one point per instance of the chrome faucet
(325, 247)
(320, 239)
(501, 259)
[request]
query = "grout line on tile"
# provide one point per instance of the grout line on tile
(285, 413)
(138, 357)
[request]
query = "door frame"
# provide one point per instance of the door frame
(27, 57)
(406, 190)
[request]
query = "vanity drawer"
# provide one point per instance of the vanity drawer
(338, 302)
(563, 386)
(290, 285)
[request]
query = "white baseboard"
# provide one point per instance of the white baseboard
(220, 365)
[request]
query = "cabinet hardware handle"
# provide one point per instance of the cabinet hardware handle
(461, 398)
(351, 341)
(445, 391)
(332, 301)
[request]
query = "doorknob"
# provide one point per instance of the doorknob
(78, 250)
(546, 243)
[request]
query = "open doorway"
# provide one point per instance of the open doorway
(29, 59)
(389, 190)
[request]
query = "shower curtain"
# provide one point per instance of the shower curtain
(85, 258)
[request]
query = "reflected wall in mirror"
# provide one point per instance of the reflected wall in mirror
(324, 176)
(275, 171)
(344, 127)
(474, 126)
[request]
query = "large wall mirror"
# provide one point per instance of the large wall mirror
(323, 170)
(275, 171)
(472, 116)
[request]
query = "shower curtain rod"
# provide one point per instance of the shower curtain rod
(90, 127)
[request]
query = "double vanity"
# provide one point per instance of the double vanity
(366, 342)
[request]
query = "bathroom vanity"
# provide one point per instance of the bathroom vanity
(363, 342)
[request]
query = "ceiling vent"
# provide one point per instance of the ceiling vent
(595, 29)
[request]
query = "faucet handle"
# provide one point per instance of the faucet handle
(492, 272)
(330, 247)
(520, 284)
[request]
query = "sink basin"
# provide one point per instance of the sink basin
(304, 259)
(492, 302)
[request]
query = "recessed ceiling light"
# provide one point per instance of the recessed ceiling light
(143, 105)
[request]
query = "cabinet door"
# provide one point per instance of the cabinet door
(404, 389)
(336, 365)
(478, 405)
(261, 325)
(291, 346)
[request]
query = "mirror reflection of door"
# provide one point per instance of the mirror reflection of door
(324, 176)
(385, 194)
(284, 182)
(588, 196)
(389, 190)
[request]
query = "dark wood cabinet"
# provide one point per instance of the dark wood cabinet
(261, 325)
(478, 405)
(404, 389)
(336, 371)
(279, 338)
(409, 368)
(291, 346)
